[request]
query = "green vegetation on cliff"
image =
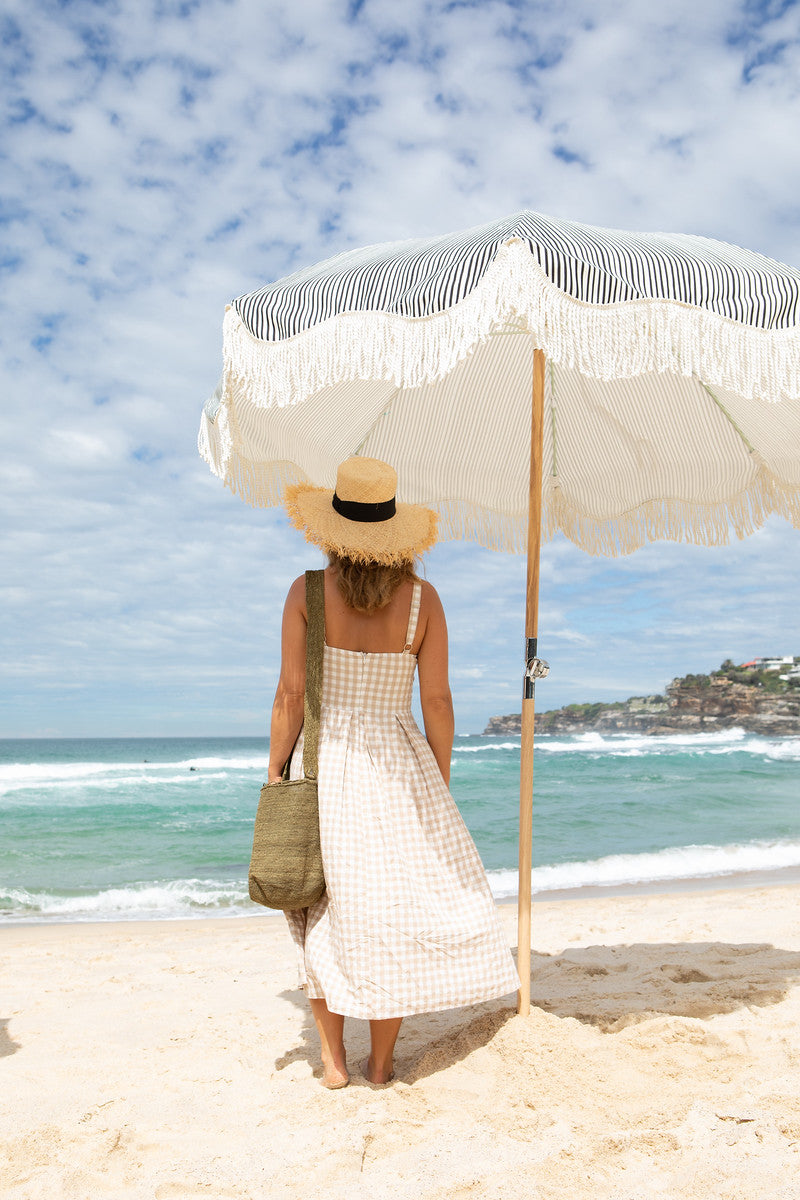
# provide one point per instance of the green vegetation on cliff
(769, 680)
(749, 696)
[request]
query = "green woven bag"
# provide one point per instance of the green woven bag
(286, 863)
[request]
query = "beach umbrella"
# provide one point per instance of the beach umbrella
(524, 377)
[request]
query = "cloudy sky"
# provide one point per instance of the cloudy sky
(160, 157)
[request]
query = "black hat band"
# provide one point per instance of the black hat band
(354, 510)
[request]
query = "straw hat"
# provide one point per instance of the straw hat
(360, 519)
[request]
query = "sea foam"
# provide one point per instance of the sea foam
(27, 776)
(172, 900)
(633, 745)
(662, 866)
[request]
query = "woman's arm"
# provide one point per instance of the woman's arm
(434, 687)
(287, 709)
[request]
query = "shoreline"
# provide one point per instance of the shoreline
(734, 882)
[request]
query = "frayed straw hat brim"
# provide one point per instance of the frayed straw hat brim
(411, 531)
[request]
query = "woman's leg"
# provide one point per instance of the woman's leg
(330, 1027)
(383, 1035)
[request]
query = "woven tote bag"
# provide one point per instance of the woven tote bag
(286, 863)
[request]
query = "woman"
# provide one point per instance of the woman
(407, 923)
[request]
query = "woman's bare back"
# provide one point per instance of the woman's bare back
(382, 632)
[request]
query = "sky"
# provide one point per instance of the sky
(160, 158)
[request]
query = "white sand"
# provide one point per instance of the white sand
(169, 1060)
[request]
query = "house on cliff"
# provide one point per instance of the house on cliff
(770, 664)
(788, 666)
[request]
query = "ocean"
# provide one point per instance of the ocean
(148, 828)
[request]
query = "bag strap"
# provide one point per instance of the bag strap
(315, 642)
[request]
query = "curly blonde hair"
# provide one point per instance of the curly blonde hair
(368, 587)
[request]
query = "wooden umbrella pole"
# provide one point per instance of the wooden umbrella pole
(528, 702)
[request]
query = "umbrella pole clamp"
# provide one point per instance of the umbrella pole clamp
(535, 668)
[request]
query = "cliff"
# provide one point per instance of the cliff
(694, 704)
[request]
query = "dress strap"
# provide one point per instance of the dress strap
(413, 616)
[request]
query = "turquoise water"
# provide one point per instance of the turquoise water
(118, 829)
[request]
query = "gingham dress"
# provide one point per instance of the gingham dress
(408, 923)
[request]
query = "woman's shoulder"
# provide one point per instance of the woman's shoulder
(296, 596)
(428, 590)
(430, 602)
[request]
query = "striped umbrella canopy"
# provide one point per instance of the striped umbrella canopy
(666, 355)
(524, 377)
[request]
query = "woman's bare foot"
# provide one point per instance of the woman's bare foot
(375, 1076)
(330, 1027)
(334, 1075)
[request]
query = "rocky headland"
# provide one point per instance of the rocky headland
(729, 698)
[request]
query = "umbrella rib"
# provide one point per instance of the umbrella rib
(728, 416)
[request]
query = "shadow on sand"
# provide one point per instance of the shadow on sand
(608, 987)
(611, 987)
(7, 1044)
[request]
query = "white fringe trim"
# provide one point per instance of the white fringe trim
(262, 486)
(712, 524)
(669, 520)
(602, 341)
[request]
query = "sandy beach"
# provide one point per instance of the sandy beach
(177, 1059)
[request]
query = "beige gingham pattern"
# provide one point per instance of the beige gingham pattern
(408, 923)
